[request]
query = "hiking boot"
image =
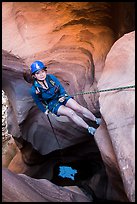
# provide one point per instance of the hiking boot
(91, 130)
(98, 121)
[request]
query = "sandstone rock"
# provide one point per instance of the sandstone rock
(73, 40)
(118, 110)
(25, 189)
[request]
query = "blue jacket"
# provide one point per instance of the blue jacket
(49, 96)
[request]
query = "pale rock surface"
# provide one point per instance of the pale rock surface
(118, 110)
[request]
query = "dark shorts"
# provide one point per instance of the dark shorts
(58, 104)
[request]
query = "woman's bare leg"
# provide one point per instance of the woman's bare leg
(71, 103)
(66, 111)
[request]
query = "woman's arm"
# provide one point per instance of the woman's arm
(38, 101)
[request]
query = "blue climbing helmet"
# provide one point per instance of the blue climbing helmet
(36, 66)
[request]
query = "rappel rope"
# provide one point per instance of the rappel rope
(53, 130)
(105, 90)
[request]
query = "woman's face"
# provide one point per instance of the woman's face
(40, 75)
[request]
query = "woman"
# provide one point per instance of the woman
(49, 95)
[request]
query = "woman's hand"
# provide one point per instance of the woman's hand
(62, 99)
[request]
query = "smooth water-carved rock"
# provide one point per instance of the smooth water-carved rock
(22, 188)
(120, 116)
(73, 39)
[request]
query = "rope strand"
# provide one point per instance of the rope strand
(104, 90)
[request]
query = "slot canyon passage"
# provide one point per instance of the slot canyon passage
(89, 46)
